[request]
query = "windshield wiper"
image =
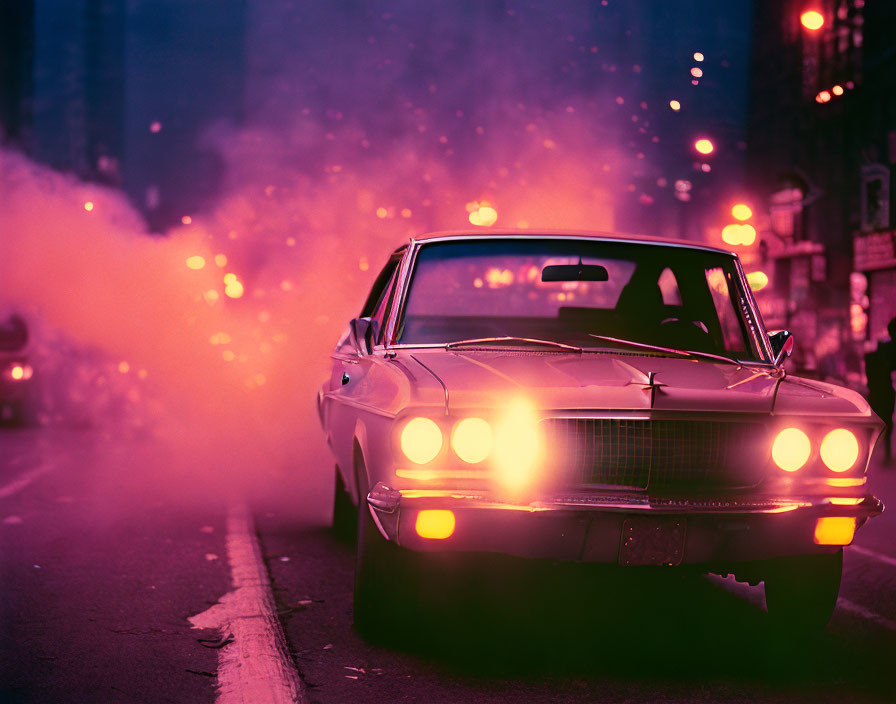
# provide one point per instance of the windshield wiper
(693, 354)
(501, 341)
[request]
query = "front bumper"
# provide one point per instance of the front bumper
(595, 528)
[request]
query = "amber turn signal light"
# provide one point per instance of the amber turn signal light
(435, 524)
(835, 530)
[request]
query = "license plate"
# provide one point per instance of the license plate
(652, 540)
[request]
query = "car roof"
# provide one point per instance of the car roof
(560, 234)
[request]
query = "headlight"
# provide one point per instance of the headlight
(839, 450)
(421, 440)
(791, 449)
(517, 446)
(472, 440)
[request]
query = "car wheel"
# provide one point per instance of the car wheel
(383, 580)
(801, 592)
(345, 514)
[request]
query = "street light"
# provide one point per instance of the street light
(704, 146)
(812, 20)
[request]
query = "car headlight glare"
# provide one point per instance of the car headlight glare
(517, 446)
(472, 440)
(839, 450)
(791, 449)
(421, 440)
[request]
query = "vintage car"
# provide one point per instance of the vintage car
(15, 371)
(594, 398)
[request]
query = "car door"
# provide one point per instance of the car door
(346, 396)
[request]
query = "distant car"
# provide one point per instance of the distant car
(15, 371)
(594, 398)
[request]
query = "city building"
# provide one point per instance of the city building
(821, 148)
(107, 90)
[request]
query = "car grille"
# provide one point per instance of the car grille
(657, 454)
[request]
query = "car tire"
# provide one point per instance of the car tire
(383, 579)
(345, 515)
(801, 592)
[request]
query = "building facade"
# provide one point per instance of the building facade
(821, 151)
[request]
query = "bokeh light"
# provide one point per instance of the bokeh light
(741, 211)
(812, 20)
(704, 146)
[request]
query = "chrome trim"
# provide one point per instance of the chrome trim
(401, 287)
(762, 331)
(531, 234)
(626, 502)
(382, 498)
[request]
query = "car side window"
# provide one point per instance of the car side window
(729, 320)
(380, 288)
(381, 313)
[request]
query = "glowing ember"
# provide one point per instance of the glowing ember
(17, 372)
(228, 355)
(229, 278)
(698, 56)
(363, 264)
(124, 367)
(837, 90)
(221, 260)
(195, 262)
(211, 296)
(704, 146)
(220, 338)
(823, 97)
(155, 127)
(382, 213)
(812, 20)
(675, 105)
(186, 220)
(697, 72)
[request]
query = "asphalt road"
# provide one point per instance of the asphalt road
(99, 576)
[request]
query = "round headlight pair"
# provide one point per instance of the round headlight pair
(839, 449)
(421, 440)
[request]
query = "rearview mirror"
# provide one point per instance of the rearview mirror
(363, 334)
(575, 272)
(782, 345)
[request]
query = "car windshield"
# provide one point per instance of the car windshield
(653, 294)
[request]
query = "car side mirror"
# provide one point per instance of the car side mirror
(363, 334)
(782, 345)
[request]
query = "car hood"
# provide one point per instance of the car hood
(476, 379)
